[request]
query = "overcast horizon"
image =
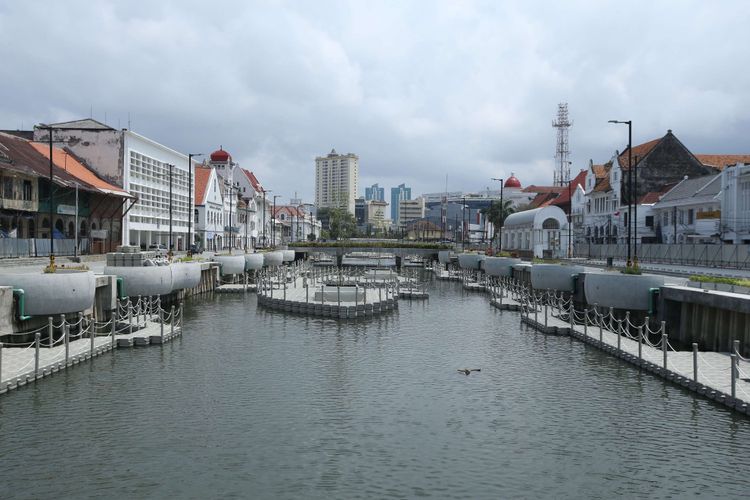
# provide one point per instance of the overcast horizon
(418, 90)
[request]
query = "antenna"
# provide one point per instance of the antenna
(128, 120)
(562, 153)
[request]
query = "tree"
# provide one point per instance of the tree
(341, 223)
(497, 213)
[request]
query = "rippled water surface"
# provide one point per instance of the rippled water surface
(254, 404)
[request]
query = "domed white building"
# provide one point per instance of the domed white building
(540, 232)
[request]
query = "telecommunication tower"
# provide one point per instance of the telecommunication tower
(562, 153)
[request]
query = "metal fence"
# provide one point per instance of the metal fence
(40, 247)
(730, 256)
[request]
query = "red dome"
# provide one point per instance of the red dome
(220, 155)
(512, 182)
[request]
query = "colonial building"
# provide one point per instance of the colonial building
(78, 208)
(156, 174)
(688, 213)
(656, 166)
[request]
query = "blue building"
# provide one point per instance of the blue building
(375, 192)
(397, 194)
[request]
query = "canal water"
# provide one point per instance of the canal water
(257, 404)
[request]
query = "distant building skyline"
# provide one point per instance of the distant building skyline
(336, 180)
(398, 193)
(375, 192)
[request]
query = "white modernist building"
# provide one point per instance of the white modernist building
(156, 174)
(336, 180)
(541, 232)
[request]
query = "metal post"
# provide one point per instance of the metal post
(49, 331)
(80, 325)
(37, 336)
(733, 360)
(171, 321)
(695, 361)
(284, 287)
(66, 336)
(640, 344)
(138, 315)
(736, 346)
(545, 314)
(585, 322)
(161, 323)
(114, 325)
(664, 348)
(571, 317)
(338, 293)
(130, 316)
(1, 362)
(93, 338)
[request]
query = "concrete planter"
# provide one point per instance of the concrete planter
(554, 276)
(185, 275)
(621, 291)
(54, 293)
(145, 281)
(444, 256)
(287, 256)
(471, 261)
(499, 266)
(273, 259)
(253, 261)
(231, 264)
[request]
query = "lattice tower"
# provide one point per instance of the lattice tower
(562, 153)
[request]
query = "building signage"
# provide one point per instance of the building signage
(66, 209)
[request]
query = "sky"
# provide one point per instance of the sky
(420, 90)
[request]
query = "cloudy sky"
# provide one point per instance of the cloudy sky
(417, 89)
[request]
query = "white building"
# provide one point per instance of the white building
(735, 206)
(689, 212)
(541, 232)
(209, 209)
(376, 212)
(409, 210)
(141, 166)
(336, 180)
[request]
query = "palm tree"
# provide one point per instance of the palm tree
(496, 213)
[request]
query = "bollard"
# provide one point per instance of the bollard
(93, 338)
(66, 335)
(37, 336)
(664, 345)
(49, 331)
(736, 346)
(640, 342)
(171, 321)
(695, 361)
(585, 322)
(113, 318)
(733, 360)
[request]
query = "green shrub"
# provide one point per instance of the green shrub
(373, 244)
(720, 279)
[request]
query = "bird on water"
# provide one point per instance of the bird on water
(467, 371)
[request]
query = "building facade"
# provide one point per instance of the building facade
(398, 194)
(409, 210)
(336, 180)
(374, 192)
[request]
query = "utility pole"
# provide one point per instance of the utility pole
(190, 201)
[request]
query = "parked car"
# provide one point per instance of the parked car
(160, 249)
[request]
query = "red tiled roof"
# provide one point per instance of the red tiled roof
(639, 151)
(253, 180)
(290, 210)
(601, 170)
(649, 198)
(202, 176)
(720, 162)
(602, 185)
(543, 199)
(540, 189)
(564, 197)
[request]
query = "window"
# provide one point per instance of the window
(649, 221)
(196, 215)
(690, 216)
(27, 191)
(7, 188)
(665, 219)
(681, 216)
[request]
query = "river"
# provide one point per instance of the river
(250, 403)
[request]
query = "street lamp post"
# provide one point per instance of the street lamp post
(171, 167)
(635, 212)
(273, 219)
(265, 242)
(629, 123)
(502, 213)
(190, 200)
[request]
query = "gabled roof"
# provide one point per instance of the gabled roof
(601, 170)
(253, 180)
(86, 123)
(543, 199)
(602, 185)
(696, 190)
(202, 176)
(564, 195)
(540, 189)
(640, 151)
(720, 162)
(289, 209)
(32, 159)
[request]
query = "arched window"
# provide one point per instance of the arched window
(59, 226)
(83, 228)
(71, 229)
(45, 223)
(550, 224)
(93, 226)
